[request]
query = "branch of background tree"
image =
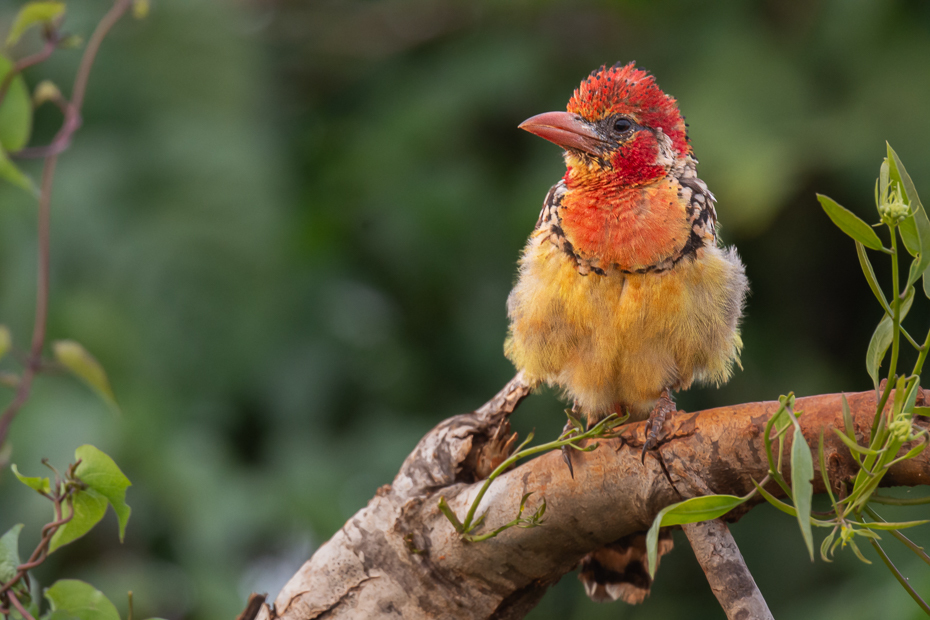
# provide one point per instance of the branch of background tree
(402, 552)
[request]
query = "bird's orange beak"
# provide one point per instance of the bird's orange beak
(569, 131)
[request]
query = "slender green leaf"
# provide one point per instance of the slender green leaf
(822, 459)
(850, 223)
(858, 553)
(884, 176)
(854, 446)
(884, 525)
(100, 473)
(33, 482)
(908, 228)
(825, 546)
(847, 420)
(870, 277)
(81, 600)
(89, 508)
(882, 337)
(878, 346)
(689, 511)
(33, 14)
(75, 358)
(924, 411)
(802, 473)
(9, 553)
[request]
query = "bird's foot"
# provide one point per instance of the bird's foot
(657, 416)
(567, 452)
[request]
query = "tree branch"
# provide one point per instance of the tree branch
(400, 557)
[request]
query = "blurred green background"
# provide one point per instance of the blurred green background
(288, 230)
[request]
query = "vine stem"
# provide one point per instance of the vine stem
(62, 139)
(19, 607)
(51, 42)
(896, 305)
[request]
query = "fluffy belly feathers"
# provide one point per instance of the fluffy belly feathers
(621, 339)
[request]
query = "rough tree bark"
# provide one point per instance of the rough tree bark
(400, 557)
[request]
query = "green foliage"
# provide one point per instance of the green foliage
(101, 474)
(34, 14)
(850, 223)
(70, 598)
(80, 499)
(33, 482)
(87, 509)
(689, 511)
(802, 473)
(73, 356)
(9, 553)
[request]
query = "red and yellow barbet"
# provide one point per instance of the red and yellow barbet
(624, 293)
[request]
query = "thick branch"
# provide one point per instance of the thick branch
(400, 557)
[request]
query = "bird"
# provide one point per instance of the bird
(624, 292)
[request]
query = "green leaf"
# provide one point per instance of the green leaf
(922, 222)
(80, 600)
(33, 482)
(854, 446)
(885, 525)
(825, 546)
(924, 411)
(33, 14)
(5, 340)
(858, 553)
(100, 473)
(11, 173)
(76, 359)
(878, 346)
(15, 111)
(870, 276)
(689, 511)
(89, 507)
(802, 472)
(9, 553)
(909, 235)
(882, 337)
(847, 419)
(850, 223)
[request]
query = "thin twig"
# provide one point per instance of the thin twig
(62, 139)
(51, 42)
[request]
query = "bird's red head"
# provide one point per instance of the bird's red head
(624, 139)
(619, 126)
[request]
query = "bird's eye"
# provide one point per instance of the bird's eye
(622, 125)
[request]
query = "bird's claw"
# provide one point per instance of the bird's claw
(567, 451)
(656, 420)
(567, 457)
